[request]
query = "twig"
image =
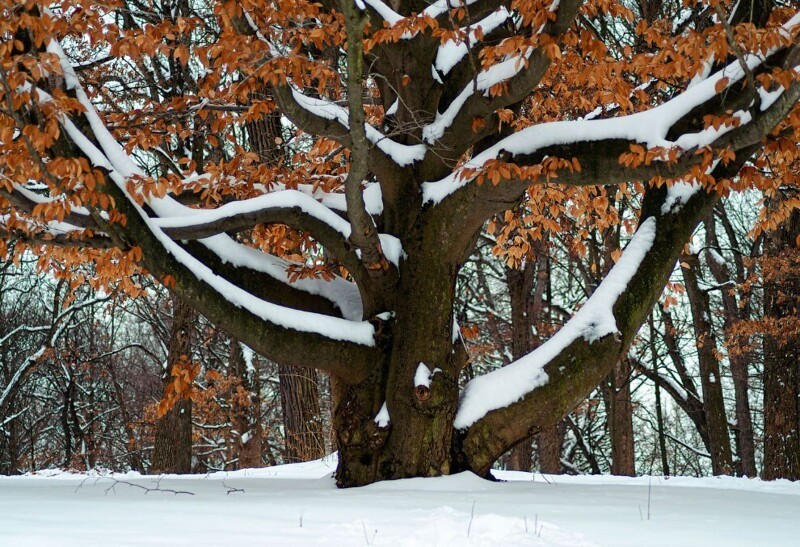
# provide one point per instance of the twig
(471, 517)
(232, 490)
(366, 537)
(147, 489)
(735, 47)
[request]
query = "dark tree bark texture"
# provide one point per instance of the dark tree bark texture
(172, 452)
(710, 379)
(782, 359)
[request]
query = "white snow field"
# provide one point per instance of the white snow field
(300, 505)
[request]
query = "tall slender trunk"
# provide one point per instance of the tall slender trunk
(246, 414)
(713, 402)
(550, 440)
(172, 452)
(662, 442)
(739, 361)
(621, 420)
(617, 392)
(65, 423)
(520, 282)
(302, 420)
(691, 402)
(782, 354)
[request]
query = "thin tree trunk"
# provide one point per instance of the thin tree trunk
(172, 452)
(662, 441)
(621, 420)
(739, 362)
(302, 420)
(692, 404)
(134, 453)
(618, 392)
(520, 283)
(246, 415)
(713, 402)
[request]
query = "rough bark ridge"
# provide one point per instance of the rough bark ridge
(301, 416)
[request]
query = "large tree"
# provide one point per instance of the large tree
(412, 124)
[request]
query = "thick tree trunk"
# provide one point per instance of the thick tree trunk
(713, 401)
(782, 355)
(416, 441)
(621, 420)
(172, 452)
(302, 422)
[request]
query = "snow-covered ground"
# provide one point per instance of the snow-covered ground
(300, 505)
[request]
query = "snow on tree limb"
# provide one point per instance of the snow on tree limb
(593, 321)
(649, 128)
(120, 168)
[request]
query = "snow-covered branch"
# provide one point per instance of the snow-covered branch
(598, 144)
(519, 74)
(328, 119)
(54, 332)
(502, 408)
(222, 301)
(593, 321)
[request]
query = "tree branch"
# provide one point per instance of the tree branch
(580, 365)
(364, 234)
(289, 207)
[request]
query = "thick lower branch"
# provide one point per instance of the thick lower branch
(583, 364)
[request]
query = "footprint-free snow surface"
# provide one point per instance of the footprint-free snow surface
(300, 505)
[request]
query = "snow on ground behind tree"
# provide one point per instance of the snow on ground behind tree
(299, 504)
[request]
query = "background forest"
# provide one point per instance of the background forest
(87, 373)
